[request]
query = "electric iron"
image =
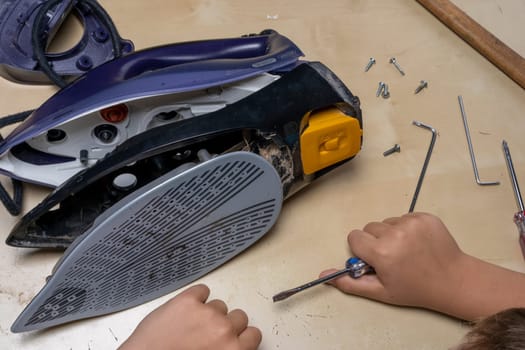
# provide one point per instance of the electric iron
(168, 204)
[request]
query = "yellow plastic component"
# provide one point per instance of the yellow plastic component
(330, 136)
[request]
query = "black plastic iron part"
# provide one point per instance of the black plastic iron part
(269, 117)
(14, 204)
(39, 35)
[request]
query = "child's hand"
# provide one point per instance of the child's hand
(415, 258)
(188, 322)
(418, 263)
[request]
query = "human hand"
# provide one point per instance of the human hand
(418, 263)
(188, 322)
(416, 260)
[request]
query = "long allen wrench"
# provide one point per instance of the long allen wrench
(425, 164)
(470, 149)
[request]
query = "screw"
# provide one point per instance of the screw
(394, 62)
(370, 64)
(423, 84)
(394, 149)
(380, 88)
(386, 92)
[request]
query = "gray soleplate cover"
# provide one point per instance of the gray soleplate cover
(160, 238)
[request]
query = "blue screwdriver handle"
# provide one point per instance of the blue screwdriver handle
(357, 267)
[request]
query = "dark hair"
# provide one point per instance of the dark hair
(502, 331)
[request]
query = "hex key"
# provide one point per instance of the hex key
(425, 164)
(470, 149)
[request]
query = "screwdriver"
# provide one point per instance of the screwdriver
(355, 267)
(519, 217)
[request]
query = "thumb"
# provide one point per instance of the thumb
(368, 286)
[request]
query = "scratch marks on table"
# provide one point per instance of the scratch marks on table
(262, 295)
(317, 316)
(113, 334)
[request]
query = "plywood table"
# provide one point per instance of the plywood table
(310, 234)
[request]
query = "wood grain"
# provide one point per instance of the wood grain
(502, 56)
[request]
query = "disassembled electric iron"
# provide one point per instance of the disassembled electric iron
(169, 162)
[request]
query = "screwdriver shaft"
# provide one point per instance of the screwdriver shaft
(323, 279)
(355, 268)
(512, 175)
(287, 293)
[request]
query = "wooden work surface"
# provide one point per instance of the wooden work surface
(310, 234)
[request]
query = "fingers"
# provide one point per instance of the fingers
(366, 286)
(361, 244)
(250, 338)
(327, 272)
(401, 219)
(393, 220)
(238, 319)
(378, 229)
(200, 292)
(218, 305)
(365, 243)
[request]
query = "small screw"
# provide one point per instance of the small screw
(386, 92)
(380, 88)
(370, 64)
(394, 62)
(423, 84)
(388, 152)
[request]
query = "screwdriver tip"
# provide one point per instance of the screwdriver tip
(283, 295)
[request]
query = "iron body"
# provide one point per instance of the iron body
(268, 122)
(182, 194)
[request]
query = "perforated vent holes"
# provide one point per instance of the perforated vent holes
(166, 235)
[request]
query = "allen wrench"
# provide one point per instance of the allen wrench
(425, 164)
(470, 149)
